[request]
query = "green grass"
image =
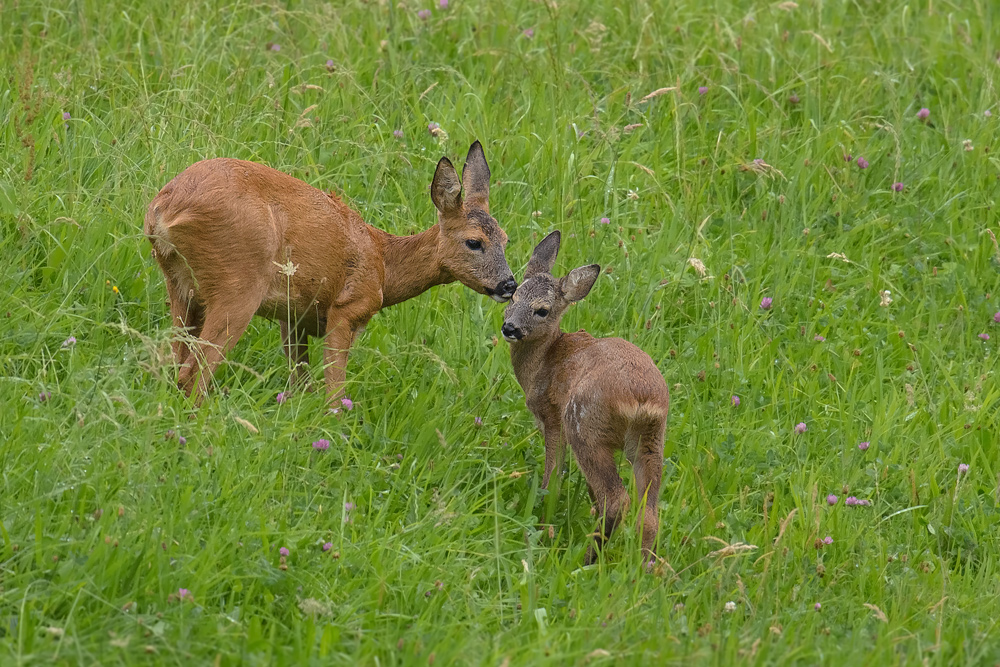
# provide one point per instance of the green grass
(448, 557)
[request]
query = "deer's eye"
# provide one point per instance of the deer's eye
(542, 312)
(474, 244)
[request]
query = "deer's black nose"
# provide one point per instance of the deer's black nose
(506, 289)
(510, 331)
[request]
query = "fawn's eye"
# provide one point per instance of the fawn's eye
(542, 312)
(474, 244)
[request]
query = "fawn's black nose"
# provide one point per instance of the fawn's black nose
(510, 331)
(506, 289)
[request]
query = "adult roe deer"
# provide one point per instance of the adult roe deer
(597, 394)
(236, 239)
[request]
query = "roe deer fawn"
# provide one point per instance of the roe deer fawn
(236, 238)
(597, 394)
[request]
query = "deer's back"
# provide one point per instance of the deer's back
(227, 222)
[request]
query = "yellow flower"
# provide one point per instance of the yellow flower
(115, 289)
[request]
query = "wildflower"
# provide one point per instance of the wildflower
(851, 501)
(885, 298)
(924, 114)
(348, 506)
(479, 421)
(765, 303)
(327, 546)
(984, 336)
(800, 427)
(967, 145)
(69, 342)
(996, 317)
(330, 66)
(730, 606)
(987, 113)
(281, 397)
(183, 594)
(605, 221)
(398, 134)
(649, 565)
(818, 338)
(182, 441)
(424, 14)
(831, 499)
(283, 551)
(529, 32)
(862, 163)
(736, 401)
(898, 187)
(827, 540)
(114, 288)
(433, 127)
(793, 99)
(963, 468)
(321, 445)
(275, 47)
(847, 157)
(347, 403)
(863, 446)
(702, 90)
(66, 115)
(443, 4)
(44, 396)
(817, 606)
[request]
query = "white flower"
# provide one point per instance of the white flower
(886, 298)
(730, 606)
(287, 268)
(698, 266)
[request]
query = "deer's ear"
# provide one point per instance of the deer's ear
(446, 189)
(543, 258)
(578, 282)
(476, 178)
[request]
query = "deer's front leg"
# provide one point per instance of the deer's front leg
(342, 325)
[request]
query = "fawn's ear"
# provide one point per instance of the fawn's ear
(476, 178)
(543, 258)
(578, 282)
(446, 189)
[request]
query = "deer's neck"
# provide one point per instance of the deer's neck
(412, 265)
(529, 361)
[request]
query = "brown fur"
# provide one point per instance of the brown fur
(223, 230)
(599, 395)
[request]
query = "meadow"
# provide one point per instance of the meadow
(793, 205)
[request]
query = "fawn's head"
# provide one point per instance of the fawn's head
(471, 243)
(541, 300)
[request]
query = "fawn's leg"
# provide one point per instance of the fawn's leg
(597, 462)
(555, 448)
(644, 451)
